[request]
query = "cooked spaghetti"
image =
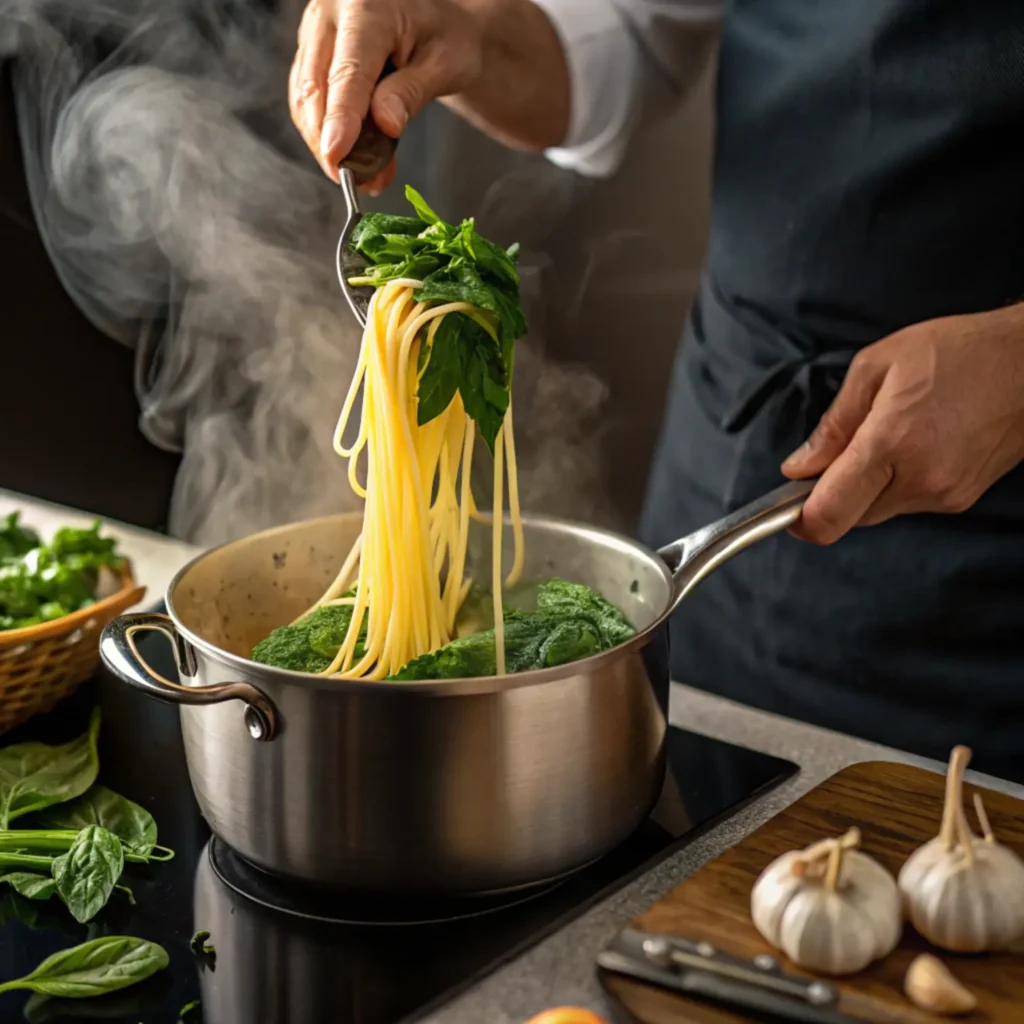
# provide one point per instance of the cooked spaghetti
(408, 564)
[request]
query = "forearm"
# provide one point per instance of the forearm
(521, 96)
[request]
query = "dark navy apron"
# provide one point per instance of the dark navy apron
(869, 174)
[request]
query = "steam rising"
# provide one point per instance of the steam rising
(186, 222)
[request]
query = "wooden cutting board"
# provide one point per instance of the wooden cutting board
(897, 808)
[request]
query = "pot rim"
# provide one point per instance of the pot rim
(470, 685)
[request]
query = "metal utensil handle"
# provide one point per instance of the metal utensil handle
(371, 153)
(121, 656)
(692, 557)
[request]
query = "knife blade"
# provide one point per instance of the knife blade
(696, 968)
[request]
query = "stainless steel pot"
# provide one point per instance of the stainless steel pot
(460, 786)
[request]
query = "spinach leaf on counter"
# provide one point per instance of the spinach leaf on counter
(87, 873)
(35, 775)
(204, 951)
(29, 885)
(41, 582)
(132, 824)
(94, 968)
(455, 264)
(311, 644)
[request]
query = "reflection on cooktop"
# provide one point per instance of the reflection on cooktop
(280, 968)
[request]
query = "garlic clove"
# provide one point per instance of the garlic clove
(930, 985)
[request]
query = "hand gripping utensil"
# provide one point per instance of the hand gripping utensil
(371, 153)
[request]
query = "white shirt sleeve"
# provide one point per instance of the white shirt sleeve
(621, 55)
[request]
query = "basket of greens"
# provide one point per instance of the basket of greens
(54, 601)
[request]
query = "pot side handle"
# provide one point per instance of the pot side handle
(121, 656)
(692, 557)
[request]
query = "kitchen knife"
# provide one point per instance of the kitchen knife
(698, 970)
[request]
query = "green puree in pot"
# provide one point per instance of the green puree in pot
(570, 622)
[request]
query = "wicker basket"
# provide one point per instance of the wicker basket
(41, 665)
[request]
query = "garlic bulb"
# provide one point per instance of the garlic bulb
(930, 985)
(829, 908)
(963, 893)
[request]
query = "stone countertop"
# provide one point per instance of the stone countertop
(559, 971)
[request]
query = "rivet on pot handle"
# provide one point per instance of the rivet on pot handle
(691, 558)
(121, 656)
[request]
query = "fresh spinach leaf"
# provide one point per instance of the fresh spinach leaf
(419, 204)
(376, 225)
(48, 581)
(189, 1013)
(204, 951)
(464, 358)
(87, 873)
(16, 540)
(29, 885)
(132, 824)
(94, 968)
(35, 775)
(455, 264)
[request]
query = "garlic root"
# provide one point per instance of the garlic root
(930, 985)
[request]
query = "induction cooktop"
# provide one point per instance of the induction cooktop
(284, 955)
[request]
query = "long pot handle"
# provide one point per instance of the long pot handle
(692, 557)
(121, 656)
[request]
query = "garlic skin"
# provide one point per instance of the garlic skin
(962, 893)
(930, 985)
(829, 908)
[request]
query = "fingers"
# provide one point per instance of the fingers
(841, 421)
(364, 41)
(403, 94)
(307, 87)
(851, 486)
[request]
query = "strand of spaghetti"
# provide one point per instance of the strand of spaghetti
(498, 517)
(462, 543)
(519, 548)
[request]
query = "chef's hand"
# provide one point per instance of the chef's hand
(926, 421)
(497, 62)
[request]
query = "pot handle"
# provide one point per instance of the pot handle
(692, 557)
(121, 656)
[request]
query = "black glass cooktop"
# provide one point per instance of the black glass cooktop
(289, 967)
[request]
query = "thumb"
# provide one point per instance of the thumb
(404, 93)
(836, 428)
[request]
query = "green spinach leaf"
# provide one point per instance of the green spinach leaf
(204, 951)
(310, 644)
(571, 622)
(94, 968)
(419, 204)
(36, 775)
(29, 885)
(87, 873)
(132, 824)
(455, 264)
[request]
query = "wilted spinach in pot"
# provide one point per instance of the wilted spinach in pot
(570, 622)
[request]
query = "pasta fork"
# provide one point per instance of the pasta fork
(368, 157)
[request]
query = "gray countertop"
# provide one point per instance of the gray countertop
(559, 971)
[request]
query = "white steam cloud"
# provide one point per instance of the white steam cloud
(186, 221)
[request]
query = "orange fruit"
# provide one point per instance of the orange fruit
(567, 1015)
